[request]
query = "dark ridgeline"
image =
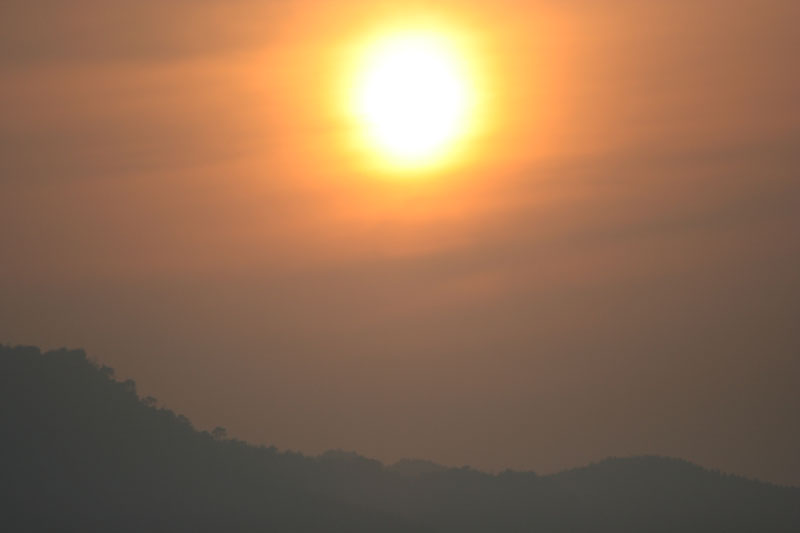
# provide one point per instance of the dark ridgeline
(82, 452)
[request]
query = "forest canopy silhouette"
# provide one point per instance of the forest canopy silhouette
(81, 451)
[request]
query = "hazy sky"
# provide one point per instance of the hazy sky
(612, 267)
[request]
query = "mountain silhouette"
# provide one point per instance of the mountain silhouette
(81, 451)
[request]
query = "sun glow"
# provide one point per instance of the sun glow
(413, 98)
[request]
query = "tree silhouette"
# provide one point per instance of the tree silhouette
(79, 451)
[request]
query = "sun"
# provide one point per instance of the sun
(413, 98)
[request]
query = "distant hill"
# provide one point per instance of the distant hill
(80, 451)
(416, 467)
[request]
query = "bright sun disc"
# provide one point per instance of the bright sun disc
(413, 98)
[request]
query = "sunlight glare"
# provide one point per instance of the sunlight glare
(413, 98)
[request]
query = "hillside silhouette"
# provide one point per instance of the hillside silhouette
(81, 451)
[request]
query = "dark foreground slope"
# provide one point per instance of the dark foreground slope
(79, 451)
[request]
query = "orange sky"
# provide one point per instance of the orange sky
(608, 267)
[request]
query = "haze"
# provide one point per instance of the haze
(610, 267)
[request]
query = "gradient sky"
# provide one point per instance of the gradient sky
(612, 267)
